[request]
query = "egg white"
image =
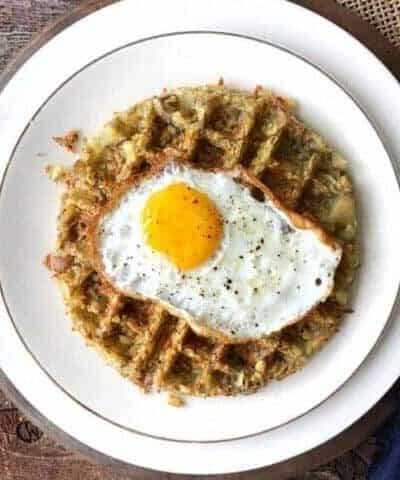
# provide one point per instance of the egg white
(266, 274)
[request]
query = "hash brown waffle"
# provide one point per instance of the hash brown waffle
(211, 126)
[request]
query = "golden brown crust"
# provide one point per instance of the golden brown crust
(69, 140)
(58, 263)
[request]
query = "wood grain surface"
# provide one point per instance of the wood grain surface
(28, 454)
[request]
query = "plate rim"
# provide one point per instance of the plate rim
(104, 458)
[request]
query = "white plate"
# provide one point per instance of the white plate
(98, 398)
(87, 102)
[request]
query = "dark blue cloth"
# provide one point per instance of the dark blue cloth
(386, 465)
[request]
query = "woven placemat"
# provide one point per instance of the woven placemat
(383, 14)
(27, 454)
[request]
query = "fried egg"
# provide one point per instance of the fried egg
(202, 245)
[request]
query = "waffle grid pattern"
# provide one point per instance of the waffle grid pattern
(211, 127)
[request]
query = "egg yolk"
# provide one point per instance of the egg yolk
(183, 224)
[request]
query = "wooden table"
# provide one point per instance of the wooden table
(28, 454)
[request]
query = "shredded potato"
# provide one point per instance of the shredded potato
(209, 126)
